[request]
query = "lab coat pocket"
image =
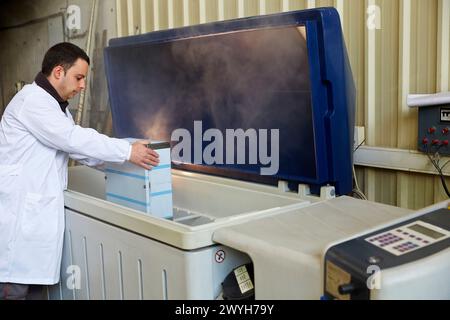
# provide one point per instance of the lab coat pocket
(9, 176)
(9, 180)
(40, 218)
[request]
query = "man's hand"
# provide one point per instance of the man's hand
(143, 156)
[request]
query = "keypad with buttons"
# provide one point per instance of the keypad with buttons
(405, 239)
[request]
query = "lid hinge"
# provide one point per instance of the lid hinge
(327, 192)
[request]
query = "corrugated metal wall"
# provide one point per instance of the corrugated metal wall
(395, 48)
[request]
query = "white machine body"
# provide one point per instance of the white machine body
(114, 252)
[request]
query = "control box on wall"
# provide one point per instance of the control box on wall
(434, 129)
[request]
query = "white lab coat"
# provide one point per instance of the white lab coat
(35, 141)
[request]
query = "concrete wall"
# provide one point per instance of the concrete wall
(28, 28)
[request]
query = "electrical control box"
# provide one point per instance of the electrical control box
(434, 129)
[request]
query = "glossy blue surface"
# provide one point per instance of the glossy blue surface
(251, 73)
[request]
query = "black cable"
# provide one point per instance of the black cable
(446, 164)
(439, 170)
(437, 153)
(431, 159)
(356, 191)
(360, 145)
(444, 184)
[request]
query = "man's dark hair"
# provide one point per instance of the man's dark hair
(63, 54)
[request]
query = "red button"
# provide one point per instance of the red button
(432, 130)
(445, 131)
(425, 141)
(445, 142)
(436, 142)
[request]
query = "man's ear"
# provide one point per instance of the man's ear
(58, 72)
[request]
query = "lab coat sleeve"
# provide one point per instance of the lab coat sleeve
(86, 161)
(97, 164)
(43, 118)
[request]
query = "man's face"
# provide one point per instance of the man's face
(74, 80)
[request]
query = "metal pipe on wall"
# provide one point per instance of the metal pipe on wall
(79, 114)
(41, 19)
(91, 30)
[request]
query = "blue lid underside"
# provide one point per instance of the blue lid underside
(267, 76)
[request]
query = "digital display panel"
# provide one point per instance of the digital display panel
(426, 231)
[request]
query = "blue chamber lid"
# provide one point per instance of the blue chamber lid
(264, 98)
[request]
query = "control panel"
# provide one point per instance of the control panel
(408, 238)
(434, 129)
(349, 266)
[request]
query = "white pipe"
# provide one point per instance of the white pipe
(202, 11)
(144, 26)
(339, 4)
(241, 9)
(186, 12)
(311, 4)
(130, 16)
(221, 10)
(92, 23)
(397, 159)
(155, 15)
(262, 7)
(119, 18)
(170, 13)
(444, 45)
(285, 5)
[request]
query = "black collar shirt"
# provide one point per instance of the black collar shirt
(42, 81)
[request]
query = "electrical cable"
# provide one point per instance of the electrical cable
(357, 191)
(439, 169)
(446, 164)
(360, 145)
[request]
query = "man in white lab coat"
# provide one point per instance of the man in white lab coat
(37, 136)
